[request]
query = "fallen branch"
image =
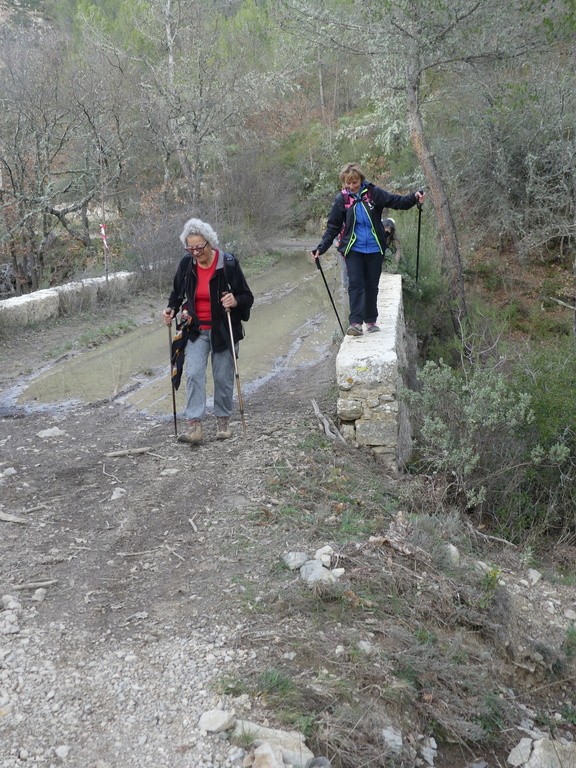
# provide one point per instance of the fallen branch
(330, 429)
(35, 584)
(12, 519)
(562, 303)
(127, 452)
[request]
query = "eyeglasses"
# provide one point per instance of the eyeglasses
(196, 248)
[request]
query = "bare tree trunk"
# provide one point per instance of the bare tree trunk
(191, 174)
(574, 270)
(451, 257)
(321, 84)
(170, 28)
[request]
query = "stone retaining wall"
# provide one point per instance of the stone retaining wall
(369, 372)
(62, 300)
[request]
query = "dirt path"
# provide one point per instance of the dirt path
(93, 513)
(168, 545)
(89, 515)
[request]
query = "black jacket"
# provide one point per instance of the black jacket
(343, 219)
(227, 277)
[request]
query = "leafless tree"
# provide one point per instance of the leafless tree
(55, 152)
(200, 81)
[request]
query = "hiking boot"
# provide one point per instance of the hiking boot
(223, 431)
(372, 328)
(354, 329)
(194, 434)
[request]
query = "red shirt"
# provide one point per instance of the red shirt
(202, 299)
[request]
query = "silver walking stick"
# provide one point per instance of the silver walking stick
(236, 374)
(172, 382)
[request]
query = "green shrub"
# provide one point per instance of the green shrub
(468, 426)
(504, 443)
(548, 375)
(426, 301)
(539, 325)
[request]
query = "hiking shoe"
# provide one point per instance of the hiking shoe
(223, 431)
(194, 434)
(354, 329)
(372, 328)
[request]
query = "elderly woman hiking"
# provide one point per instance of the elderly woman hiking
(356, 216)
(208, 284)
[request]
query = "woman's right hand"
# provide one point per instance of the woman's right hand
(168, 315)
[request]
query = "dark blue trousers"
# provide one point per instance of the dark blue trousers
(364, 270)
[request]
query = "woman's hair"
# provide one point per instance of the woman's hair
(351, 169)
(198, 227)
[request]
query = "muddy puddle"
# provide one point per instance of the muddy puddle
(292, 324)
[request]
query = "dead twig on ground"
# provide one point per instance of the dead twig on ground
(172, 552)
(136, 554)
(476, 532)
(127, 452)
(35, 584)
(330, 429)
(109, 474)
(5, 517)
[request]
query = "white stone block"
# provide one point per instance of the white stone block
(349, 409)
(32, 308)
(369, 377)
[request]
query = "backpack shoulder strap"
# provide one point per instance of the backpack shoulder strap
(184, 283)
(229, 261)
(348, 198)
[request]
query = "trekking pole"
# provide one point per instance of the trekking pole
(171, 381)
(236, 374)
(418, 236)
(317, 259)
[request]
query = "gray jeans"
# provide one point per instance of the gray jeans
(195, 363)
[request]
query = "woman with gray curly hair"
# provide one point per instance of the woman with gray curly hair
(208, 284)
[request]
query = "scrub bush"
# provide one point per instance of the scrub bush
(548, 374)
(468, 426)
(504, 442)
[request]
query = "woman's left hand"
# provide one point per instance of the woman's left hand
(228, 301)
